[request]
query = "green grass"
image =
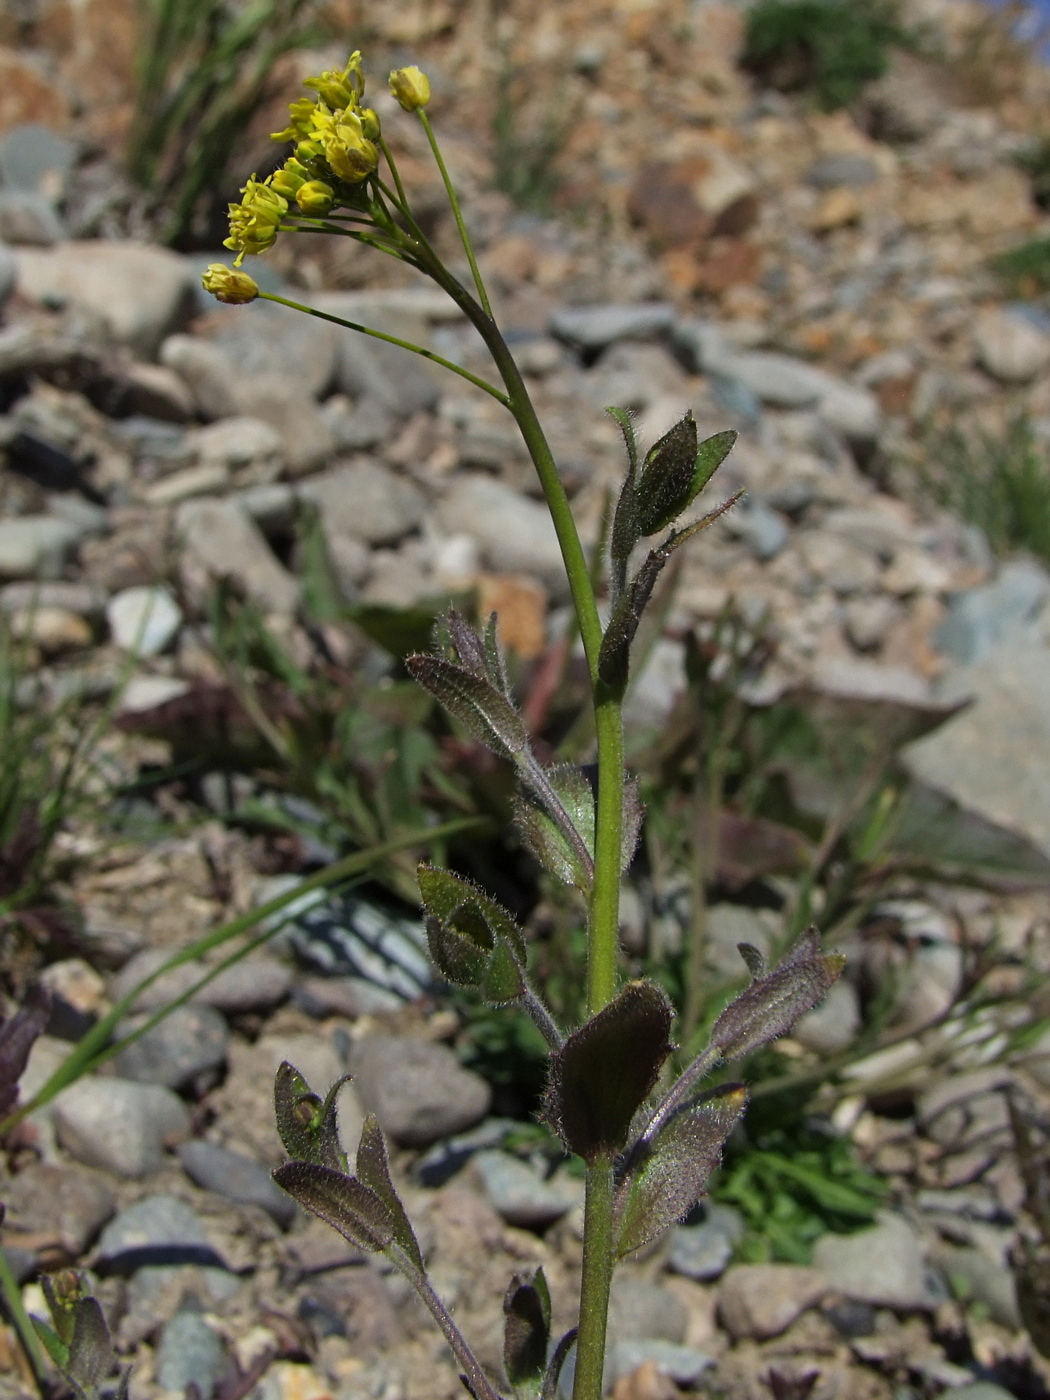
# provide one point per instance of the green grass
(1026, 269)
(999, 482)
(830, 48)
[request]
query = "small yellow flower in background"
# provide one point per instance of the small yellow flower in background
(315, 198)
(254, 222)
(235, 288)
(411, 87)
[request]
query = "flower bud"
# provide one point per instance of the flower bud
(234, 288)
(369, 123)
(290, 178)
(315, 198)
(411, 87)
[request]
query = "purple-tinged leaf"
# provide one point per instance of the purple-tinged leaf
(526, 1332)
(343, 1202)
(671, 1173)
(772, 1004)
(606, 1069)
(474, 701)
(91, 1354)
(666, 477)
(17, 1035)
(307, 1124)
(373, 1170)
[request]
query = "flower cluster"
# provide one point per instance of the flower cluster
(335, 139)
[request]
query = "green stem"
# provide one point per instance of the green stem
(596, 1281)
(31, 1344)
(464, 236)
(402, 198)
(392, 340)
(95, 1046)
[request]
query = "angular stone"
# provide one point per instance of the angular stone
(704, 1251)
(418, 1090)
(120, 1126)
(514, 534)
(190, 1354)
(265, 340)
(37, 158)
(367, 501)
(240, 442)
(140, 291)
(143, 620)
(227, 544)
(376, 371)
(884, 1266)
(255, 983)
(53, 630)
(643, 1310)
(205, 371)
(981, 618)
(763, 1300)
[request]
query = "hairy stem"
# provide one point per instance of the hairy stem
(480, 1385)
(596, 1281)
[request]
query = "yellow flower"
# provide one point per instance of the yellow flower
(340, 90)
(348, 151)
(254, 222)
(411, 87)
(290, 178)
(301, 113)
(235, 288)
(315, 198)
(369, 123)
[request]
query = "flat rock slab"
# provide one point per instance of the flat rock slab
(991, 758)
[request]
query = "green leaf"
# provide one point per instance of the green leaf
(828, 1193)
(53, 1343)
(373, 1170)
(91, 1355)
(710, 455)
(474, 701)
(467, 909)
(606, 1069)
(625, 532)
(666, 477)
(504, 979)
(545, 839)
(343, 1202)
(665, 1183)
(526, 1332)
(772, 1004)
(308, 1125)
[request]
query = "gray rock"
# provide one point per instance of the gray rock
(884, 1266)
(206, 372)
(703, 345)
(763, 531)
(781, 381)
(236, 1177)
(67, 1205)
(684, 1365)
(965, 1108)
(1009, 347)
(763, 1300)
(308, 442)
(227, 544)
(982, 618)
(271, 506)
(255, 983)
(27, 219)
(8, 273)
(870, 680)
(375, 371)
(519, 1194)
(417, 1090)
(240, 442)
(190, 1353)
(833, 1024)
(143, 620)
(983, 756)
(35, 158)
(975, 1278)
(704, 1251)
(656, 688)
(140, 291)
(80, 599)
(641, 1310)
(268, 341)
(593, 327)
(356, 427)
(118, 1125)
(367, 501)
(513, 533)
(190, 1041)
(842, 168)
(35, 545)
(154, 1222)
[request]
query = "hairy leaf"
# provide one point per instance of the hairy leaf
(710, 455)
(606, 1069)
(474, 701)
(670, 1177)
(373, 1170)
(625, 532)
(17, 1035)
(666, 477)
(55, 1347)
(772, 1004)
(308, 1125)
(526, 1331)
(504, 978)
(343, 1202)
(473, 940)
(545, 839)
(91, 1355)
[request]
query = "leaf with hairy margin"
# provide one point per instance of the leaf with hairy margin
(773, 1003)
(474, 701)
(91, 1354)
(504, 977)
(545, 839)
(307, 1124)
(348, 1205)
(373, 1170)
(670, 1177)
(526, 1332)
(666, 476)
(467, 909)
(606, 1070)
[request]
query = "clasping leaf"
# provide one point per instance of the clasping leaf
(773, 1003)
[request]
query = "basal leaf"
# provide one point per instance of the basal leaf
(373, 1171)
(606, 1069)
(343, 1202)
(526, 1332)
(772, 1004)
(667, 1181)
